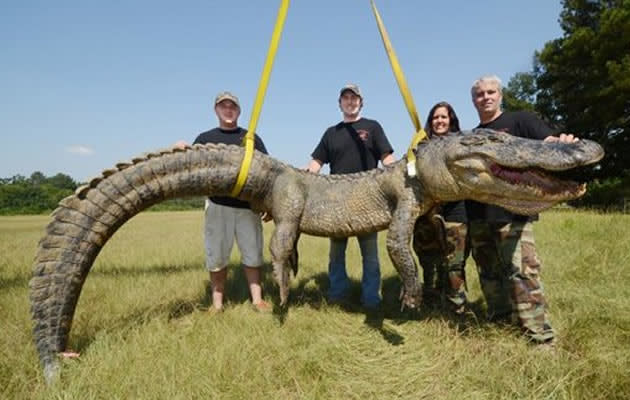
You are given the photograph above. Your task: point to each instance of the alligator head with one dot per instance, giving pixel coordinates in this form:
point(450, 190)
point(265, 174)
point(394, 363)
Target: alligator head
point(524, 176)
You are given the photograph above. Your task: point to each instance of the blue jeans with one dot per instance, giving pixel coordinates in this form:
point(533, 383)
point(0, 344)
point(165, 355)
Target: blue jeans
point(371, 280)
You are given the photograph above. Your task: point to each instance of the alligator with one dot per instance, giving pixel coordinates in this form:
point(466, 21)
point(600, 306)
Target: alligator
point(492, 167)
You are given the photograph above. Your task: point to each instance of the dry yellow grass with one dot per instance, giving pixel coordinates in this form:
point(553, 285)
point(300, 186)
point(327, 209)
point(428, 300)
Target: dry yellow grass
point(143, 331)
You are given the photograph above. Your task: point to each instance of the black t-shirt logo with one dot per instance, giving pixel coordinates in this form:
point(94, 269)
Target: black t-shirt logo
point(363, 134)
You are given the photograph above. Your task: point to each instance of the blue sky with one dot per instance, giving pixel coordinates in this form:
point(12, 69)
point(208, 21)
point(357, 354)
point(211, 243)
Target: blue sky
point(85, 84)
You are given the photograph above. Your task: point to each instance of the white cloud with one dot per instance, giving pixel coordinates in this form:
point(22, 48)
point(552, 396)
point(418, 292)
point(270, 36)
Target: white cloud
point(80, 150)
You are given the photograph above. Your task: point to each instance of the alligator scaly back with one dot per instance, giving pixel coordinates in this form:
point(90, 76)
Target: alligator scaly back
point(491, 167)
point(86, 220)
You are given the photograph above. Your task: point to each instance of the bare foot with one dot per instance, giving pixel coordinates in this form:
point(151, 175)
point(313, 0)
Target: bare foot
point(69, 355)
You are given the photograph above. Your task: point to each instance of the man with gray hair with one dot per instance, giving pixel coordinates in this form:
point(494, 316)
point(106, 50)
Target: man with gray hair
point(502, 242)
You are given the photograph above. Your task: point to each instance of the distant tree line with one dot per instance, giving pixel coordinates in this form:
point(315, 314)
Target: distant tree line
point(39, 194)
point(36, 194)
point(580, 83)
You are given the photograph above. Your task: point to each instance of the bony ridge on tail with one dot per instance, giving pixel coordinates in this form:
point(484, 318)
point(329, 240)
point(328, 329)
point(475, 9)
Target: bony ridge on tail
point(491, 167)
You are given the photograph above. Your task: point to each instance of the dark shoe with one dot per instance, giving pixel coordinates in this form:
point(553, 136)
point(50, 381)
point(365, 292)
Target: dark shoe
point(338, 301)
point(374, 313)
point(548, 346)
point(343, 303)
point(431, 296)
point(459, 309)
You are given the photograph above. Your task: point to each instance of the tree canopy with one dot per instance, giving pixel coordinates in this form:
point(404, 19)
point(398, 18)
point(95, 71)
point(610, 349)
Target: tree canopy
point(34, 195)
point(581, 81)
point(40, 194)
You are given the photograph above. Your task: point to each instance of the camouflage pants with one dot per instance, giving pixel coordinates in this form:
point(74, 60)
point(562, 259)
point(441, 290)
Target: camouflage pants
point(442, 260)
point(509, 273)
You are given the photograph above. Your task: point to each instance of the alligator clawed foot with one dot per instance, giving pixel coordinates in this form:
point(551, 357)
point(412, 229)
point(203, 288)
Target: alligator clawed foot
point(284, 296)
point(281, 275)
point(284, 287)
point(51, 371)
point(411, 299)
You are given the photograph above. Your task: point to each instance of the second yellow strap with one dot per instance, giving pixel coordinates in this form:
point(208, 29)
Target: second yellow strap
point(404, 90)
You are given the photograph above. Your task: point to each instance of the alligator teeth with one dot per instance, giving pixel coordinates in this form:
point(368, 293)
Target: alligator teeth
point(543, 184)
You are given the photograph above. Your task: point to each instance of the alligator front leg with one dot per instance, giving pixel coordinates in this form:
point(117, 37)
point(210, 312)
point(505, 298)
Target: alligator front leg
point(288, 205)
point(282, 244)
point(398, 247)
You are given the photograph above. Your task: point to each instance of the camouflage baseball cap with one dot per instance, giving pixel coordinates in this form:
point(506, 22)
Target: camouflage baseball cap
point(351, 87)
point(226, 96)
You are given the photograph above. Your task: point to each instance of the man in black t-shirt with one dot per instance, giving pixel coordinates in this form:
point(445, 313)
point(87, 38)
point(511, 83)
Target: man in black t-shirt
point(356, 144)
point(503, 242)
point(228, 219)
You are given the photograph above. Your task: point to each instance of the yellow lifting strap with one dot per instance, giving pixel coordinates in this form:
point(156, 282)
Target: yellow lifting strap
point(248, 140)
point(406, 94)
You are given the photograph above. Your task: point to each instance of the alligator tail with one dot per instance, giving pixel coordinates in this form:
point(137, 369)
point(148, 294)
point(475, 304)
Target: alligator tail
point(86, 220)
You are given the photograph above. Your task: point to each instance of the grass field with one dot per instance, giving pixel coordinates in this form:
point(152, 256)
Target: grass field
point(143, 331)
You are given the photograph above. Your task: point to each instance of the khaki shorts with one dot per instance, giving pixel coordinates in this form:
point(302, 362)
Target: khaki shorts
point(224, 224)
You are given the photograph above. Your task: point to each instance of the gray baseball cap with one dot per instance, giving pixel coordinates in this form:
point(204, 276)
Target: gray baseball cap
point(226, 96)
point(351, 87)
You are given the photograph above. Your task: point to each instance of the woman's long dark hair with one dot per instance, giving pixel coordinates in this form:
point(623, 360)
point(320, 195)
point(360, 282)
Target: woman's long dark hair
point(453, 120)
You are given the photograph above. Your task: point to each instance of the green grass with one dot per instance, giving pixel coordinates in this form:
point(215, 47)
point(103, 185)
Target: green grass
point(144, 333)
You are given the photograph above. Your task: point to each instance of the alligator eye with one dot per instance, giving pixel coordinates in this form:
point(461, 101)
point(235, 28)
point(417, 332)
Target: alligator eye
point(472, 140)
point(496, 138)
